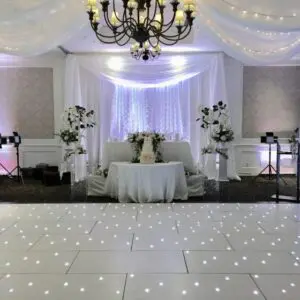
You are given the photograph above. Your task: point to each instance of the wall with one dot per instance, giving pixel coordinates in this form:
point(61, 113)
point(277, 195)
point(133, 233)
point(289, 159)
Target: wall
point(271, 100)
point(26, 102)
point(251, 155)
point(38, 145)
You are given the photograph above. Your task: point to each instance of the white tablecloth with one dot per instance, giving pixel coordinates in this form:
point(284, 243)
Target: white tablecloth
point(171, 151)
point(146, 183)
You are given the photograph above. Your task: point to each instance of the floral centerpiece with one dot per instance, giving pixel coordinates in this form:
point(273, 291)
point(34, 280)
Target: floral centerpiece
point(216, 121)
point(76, 120)
point(222, 134)
point(137, 141)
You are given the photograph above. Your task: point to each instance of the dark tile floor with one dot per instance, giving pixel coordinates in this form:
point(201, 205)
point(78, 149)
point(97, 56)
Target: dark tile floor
point(246, 191)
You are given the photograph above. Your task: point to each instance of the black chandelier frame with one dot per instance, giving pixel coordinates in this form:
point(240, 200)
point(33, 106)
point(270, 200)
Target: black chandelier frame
point(145, 53)
point(150, 28)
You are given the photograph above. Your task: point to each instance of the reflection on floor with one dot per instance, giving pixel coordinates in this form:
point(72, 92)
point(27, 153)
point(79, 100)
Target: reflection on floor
point(135, 252)
point(246, 191)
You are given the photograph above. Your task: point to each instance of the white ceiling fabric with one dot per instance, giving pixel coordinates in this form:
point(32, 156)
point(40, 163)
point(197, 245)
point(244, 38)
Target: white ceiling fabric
point(248, 30)
point(168, 69)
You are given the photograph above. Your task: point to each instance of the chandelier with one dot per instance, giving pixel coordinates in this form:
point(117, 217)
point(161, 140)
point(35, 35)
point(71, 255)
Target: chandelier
point(147, 22)
point(146, 52)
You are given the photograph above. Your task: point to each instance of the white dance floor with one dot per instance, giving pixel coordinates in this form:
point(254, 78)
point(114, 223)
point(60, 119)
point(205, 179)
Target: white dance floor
point(158, 251)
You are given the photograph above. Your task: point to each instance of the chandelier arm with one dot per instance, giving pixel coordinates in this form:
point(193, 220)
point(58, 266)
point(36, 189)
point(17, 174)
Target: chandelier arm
point(147, 17)
point(166, 27)
point(174, 39)
point(107, 36)
point(122, 44)
point(130, 22)
point(114, 29)
point(155, 32)
point(114, 41)
point(154, 13)
point(150, 42)
point(97, 32)
point(114, 10)
point(129, 35)
point(183, 33)
point(110, 26)
point(100, 38)
point(127, 25)
point(167, 43)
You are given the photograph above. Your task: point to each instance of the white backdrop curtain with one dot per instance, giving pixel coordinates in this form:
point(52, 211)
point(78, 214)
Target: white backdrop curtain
point(253, 31)
point(163, 109)
point(129, 96)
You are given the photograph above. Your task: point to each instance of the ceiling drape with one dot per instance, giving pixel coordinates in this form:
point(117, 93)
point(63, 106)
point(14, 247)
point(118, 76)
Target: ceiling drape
point(252, 31)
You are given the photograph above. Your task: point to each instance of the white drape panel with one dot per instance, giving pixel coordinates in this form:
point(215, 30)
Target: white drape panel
point(172, 109)
point(253, 31)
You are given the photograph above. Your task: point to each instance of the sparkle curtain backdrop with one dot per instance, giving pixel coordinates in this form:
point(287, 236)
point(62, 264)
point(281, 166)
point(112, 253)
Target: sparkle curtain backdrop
point(252, 31)
point(166, 98)
point(164, 109)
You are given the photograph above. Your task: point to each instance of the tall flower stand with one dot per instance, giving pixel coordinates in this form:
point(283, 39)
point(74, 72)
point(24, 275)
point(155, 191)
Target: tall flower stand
point(78, 192)
point(222, 172)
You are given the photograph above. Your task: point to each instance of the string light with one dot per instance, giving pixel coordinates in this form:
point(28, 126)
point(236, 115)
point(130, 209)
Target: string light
point(255, 14)
point(248, 50)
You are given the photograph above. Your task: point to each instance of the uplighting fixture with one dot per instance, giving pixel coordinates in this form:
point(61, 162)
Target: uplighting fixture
point(144, 21)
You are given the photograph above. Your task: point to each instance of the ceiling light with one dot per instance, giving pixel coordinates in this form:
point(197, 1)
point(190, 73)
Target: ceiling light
point(115, 63)
point(178, 61)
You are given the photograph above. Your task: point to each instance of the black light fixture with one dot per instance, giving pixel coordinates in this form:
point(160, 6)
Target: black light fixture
point(143, 21)
point(146, 52)
point(14, 140)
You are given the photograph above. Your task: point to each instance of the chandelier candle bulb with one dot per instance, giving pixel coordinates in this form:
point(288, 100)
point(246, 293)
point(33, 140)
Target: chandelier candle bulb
point(158, 21)
point(189, 7)
point(96, 17)
point(179, 15)
point(188, 2)
point(114, 18)
point(91, 4)
point(146, 45)
point(141, 20)
point(157, 48)
point(132, 4)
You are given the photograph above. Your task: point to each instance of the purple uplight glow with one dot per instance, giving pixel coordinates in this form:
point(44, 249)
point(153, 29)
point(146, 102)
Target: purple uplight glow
point(7, 158)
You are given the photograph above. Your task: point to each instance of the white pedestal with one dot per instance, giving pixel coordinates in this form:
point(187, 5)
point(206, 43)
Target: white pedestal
point(210, 168)
point(222, 172)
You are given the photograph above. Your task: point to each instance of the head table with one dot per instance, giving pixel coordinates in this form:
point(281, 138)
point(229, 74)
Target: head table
point(171, 151)
point(142, 183)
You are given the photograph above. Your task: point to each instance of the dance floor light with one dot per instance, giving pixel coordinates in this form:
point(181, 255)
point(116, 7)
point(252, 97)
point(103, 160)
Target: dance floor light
point(150, 251)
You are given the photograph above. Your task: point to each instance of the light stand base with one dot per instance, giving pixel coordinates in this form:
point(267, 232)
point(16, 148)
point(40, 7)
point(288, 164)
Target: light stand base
point(284, 198)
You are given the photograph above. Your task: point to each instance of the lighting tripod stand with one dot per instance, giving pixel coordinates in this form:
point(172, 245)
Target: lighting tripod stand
point(15, 140)
point(269, 139)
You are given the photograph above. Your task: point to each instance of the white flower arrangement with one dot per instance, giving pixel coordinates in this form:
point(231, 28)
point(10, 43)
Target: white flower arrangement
point(216, 120)
point(137, 140)
point(76, 120)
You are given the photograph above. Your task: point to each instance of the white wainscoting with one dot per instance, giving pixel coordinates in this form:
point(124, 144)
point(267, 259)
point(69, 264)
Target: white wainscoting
point(252, 157)
point(31, 153)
